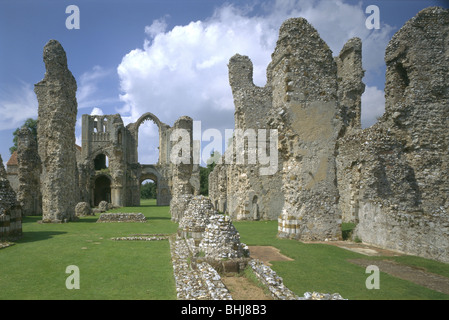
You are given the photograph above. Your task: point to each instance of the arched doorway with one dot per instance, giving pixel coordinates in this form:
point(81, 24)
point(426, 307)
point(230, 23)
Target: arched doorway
point(148, 191)
point(102, 190)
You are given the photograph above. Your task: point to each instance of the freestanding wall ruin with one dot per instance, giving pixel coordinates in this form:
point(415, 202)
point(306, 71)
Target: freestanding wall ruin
point(305, 112)
point(394, 175)
point(29, 170)
point(10, 210)
point(239, 185)
point(56, 95)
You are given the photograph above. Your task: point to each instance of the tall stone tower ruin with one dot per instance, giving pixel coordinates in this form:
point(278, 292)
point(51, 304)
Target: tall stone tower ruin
point(56, 95)
point(305, 111)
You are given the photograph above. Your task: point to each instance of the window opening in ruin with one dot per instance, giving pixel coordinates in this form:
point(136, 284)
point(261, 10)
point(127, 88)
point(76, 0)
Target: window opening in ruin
point(119, 137)
point(255, 209)
point(102, 191)
point(95, 125)
point(101, 162)
point(148, 142)
point(148, 189)
point(105, 122)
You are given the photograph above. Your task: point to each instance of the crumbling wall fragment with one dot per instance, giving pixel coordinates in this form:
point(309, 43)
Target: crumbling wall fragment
point(10, 211)
point(29, 171)
point(56, 95)
point(305, 112)
point(397, 169)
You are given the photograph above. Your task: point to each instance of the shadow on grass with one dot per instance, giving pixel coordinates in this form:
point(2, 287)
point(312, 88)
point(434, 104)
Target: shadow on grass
point(32, 236)
point(158, 218)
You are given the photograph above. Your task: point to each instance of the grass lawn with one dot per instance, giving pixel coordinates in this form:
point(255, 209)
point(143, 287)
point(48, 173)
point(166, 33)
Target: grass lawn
point(324, 268)
point(34, 268)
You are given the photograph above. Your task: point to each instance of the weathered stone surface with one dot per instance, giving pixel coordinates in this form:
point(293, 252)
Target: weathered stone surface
point(178, 206)
point(221, 240)
point(103, 206)
point(305, 112)
point(56, 95)
point(122, 217)
point(10, 210)
point(108, 161)
point(246, 196)
point(181, 158)
point(82, 209)
point(29, 170)
point(392, 176)
point(196, 217)
point(350, 85)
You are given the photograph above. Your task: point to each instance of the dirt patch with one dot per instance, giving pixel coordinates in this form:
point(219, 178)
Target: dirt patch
point(361, 248)
point(243, 289)
point(413, 274)
point(267, 254)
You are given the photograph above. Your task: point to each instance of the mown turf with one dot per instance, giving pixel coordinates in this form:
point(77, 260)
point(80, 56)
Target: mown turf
point(35, 267)
point(324, 268)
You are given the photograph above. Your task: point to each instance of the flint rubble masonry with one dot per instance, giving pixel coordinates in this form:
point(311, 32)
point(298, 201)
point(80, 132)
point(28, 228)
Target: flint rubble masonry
point(56, 95)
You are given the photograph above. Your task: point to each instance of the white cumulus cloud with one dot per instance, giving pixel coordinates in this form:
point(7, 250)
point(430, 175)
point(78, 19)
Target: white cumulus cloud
point(17, 105)
point(183, 71)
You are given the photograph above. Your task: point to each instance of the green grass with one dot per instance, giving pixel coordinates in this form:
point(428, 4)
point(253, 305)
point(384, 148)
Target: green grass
point(324, 268)
point(34, 268)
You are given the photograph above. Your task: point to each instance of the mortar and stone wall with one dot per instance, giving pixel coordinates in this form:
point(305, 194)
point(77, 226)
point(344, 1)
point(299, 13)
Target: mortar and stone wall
point(395, 173)
point(10, 210)
point(56, 95)
point(29, 169)
point(391, 179)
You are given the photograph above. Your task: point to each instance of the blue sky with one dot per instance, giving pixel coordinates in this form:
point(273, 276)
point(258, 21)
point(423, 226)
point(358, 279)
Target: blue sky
point(170, 57)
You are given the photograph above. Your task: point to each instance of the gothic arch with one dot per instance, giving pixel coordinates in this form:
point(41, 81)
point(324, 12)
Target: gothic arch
point(148, 116)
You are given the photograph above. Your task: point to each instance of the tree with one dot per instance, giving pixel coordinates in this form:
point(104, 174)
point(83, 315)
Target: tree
point(31, 124)
point(148, 190)
point(205, 171)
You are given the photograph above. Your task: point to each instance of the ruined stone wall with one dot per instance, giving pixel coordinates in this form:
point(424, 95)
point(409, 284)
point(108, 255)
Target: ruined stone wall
point(56, 95)
point(12, 173)
point(181, 162)
point(29, 170)
point(103, 136)
point(238, 185)
point(120, 177)
point(391, 179)
point(10, 211)
point(350, 90)
point(305, 112)
point(396, 171)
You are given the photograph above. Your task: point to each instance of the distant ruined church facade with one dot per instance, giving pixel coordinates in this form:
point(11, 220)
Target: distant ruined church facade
point(108, 161)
